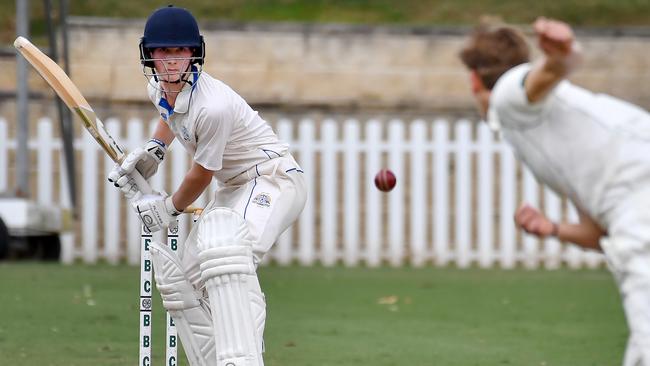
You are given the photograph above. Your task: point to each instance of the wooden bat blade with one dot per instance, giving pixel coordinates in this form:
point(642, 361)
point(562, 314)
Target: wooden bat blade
point(71, 96)
point(52, 73)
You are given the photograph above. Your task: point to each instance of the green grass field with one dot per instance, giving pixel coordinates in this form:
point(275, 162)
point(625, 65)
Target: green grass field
point(87, 315)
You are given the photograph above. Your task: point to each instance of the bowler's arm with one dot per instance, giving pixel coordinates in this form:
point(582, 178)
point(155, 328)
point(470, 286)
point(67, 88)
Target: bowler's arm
point(561, 56)
point(586, 233)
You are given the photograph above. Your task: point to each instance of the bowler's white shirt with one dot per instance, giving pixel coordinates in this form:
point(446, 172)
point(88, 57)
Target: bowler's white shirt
point(217, 127)
point(593, 148)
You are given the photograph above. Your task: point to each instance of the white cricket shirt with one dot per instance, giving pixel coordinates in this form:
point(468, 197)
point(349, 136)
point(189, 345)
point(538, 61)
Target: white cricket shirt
point(217, 127)
point(593, 148)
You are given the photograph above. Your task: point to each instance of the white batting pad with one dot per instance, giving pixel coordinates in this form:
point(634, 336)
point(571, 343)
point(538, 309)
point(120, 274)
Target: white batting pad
point(258, 308)
point(191, 316)
point(226, 257)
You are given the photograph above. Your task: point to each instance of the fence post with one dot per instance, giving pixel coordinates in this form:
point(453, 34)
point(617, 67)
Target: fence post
point(396, 197)
point(44, 161)
point(463, 193)
point(441, 192)
point(507, 207)
point(418, 246)
point(372, 201)
point(485, 197)
point(328, 190)
point(351, 239)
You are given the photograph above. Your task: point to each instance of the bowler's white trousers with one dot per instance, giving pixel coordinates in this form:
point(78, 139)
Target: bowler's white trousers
point(627, 248)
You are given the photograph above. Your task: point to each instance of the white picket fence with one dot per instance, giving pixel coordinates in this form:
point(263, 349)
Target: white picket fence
point(453, 203)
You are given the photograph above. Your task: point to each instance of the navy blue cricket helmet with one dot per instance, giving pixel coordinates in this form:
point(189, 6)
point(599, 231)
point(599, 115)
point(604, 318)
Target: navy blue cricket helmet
point(171, 27)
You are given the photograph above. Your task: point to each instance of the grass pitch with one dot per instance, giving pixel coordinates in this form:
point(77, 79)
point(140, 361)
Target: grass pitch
point(87, 315)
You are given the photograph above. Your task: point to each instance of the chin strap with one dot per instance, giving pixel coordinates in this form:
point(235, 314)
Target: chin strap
point(185, 77)
point(155, 76)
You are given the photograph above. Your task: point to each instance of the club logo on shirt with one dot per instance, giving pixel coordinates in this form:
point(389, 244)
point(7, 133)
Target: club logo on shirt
point(185, 133)
point(163, 115)
point(262, 200)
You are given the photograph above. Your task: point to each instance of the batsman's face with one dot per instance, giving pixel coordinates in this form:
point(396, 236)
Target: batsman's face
point(172, 62)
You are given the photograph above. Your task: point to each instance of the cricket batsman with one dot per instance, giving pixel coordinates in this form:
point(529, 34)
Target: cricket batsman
point(210, 288)
point(592, 148)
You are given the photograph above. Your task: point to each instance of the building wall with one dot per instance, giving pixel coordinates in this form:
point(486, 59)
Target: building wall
point(332, 66)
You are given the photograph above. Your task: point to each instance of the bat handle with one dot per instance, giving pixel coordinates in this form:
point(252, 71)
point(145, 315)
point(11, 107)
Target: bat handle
point(141, 183)
point(145, 188)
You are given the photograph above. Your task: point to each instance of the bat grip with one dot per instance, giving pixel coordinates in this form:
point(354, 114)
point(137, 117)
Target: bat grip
point(141, 183)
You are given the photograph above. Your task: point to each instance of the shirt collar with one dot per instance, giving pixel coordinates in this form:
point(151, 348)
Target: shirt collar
point(182, 100)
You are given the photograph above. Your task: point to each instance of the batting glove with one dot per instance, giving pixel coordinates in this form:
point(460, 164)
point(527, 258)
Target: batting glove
point(126, 184)
point(156, 211)
point(145, 159)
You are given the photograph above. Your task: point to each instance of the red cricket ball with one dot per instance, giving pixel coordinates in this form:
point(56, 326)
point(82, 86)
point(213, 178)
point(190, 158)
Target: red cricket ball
point(385, 180)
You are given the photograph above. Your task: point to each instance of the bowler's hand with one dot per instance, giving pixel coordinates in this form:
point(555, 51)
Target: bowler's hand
point(555, 37)
point(532, 221)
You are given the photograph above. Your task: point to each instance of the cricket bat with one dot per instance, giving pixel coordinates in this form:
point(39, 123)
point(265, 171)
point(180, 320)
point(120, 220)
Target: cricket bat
point(72, 97)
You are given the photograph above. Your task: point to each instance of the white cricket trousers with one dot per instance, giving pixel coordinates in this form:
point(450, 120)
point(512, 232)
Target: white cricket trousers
point(269, 196)
point(627, 248)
